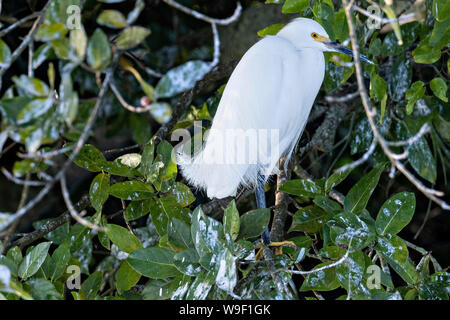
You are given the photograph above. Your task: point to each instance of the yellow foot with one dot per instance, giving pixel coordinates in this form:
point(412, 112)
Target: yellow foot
point(278, 247)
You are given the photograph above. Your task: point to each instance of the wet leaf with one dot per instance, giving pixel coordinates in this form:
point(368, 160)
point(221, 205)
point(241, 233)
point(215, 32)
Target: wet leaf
point(99, 191)
point(155, 263)
point(300, 187)
point(294, 6)
point(60, 258)
point(395, 213)
point(91, 285)
point(122, 238)
point(112, 19)
point(413, 94)
point(349, 229)
point(126, 277)
point(439, 88)
point(395, 252)
point(187, 262)
point(324, 280)
point(5, 54)
point(181, 78)
point(33, 260)
point(399, 78)
point(226, 278)
point(48, 32)
point(131, 190)
point(165, 208)
point(179, 233)
point(358, 196)
point(253, 223)
point(131, 37)
point(270, 30)
point(335, 179)
point(32, 86)
point(137, 209)
point(231, 220)
point(98, 50)
point(308, 219)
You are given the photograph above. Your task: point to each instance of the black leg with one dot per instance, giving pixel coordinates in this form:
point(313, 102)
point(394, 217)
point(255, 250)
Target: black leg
point(261, 203)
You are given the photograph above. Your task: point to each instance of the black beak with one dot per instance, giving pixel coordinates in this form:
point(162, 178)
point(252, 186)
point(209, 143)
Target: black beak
point(334, 46)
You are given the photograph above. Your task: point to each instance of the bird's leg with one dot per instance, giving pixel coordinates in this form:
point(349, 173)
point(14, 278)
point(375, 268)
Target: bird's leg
point(261, 204)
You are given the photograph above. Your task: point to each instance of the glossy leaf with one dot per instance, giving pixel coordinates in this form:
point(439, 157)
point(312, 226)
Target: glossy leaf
point(395, 213)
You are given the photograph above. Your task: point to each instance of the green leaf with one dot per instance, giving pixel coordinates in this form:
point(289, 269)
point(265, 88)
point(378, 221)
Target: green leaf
point(33, 260)
point(91, 285)
point(226, 278)
point(60, 258)
point(399, 78)
point(426, 53)
point(378, 87)
point(324, 280)
point(181, 78)
point(163, 209)
point(179, 233)
point(358, 196)
point(34, 109)
point(207, 234)
point(122, 238)
point(349, 229)
point(126, 277)
point(137, 209)
point(270, 30)
point(155, 263)
point(395, 213)
point(441, 9)
point(32, 86)
point(253, 223)
point(439, 88)
point(335, 179)
point(308, 219)
point(112, 19)
point(231, 220)
point(48, 32)
point(41, 289)
point(395, 252)
point(413, 94)
point(98, 50)
point(187, 262)
point(350, 273)
point(182, 193)
point(294, 6)
point(131, 190)
point(147, 159)
point(5, 54)
point(131, 37)
point(89, 158)
point(300, 187)
point(99, 191)
point(419, 153)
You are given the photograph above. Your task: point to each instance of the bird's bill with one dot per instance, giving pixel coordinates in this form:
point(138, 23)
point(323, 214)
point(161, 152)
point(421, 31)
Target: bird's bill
point(334, 46)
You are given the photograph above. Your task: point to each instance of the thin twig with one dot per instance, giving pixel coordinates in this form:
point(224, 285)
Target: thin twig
point(73, 212)
point(201, 16)
point(126, 105)
point(16, 180)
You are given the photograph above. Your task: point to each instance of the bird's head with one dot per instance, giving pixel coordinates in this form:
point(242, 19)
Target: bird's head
point(307, 33)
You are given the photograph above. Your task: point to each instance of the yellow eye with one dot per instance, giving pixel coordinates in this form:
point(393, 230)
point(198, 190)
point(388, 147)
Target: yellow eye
point(314, 35)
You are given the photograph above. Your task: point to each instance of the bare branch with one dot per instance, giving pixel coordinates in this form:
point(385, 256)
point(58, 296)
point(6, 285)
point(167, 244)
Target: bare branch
point(125, 104)
point(201, 16)
point(73, 212)
point(16, 180)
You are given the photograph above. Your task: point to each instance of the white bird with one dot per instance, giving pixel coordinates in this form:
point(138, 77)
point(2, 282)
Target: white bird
point(272, 88)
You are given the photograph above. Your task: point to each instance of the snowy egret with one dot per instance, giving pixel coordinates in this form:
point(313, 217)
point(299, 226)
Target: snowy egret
point(270, 93)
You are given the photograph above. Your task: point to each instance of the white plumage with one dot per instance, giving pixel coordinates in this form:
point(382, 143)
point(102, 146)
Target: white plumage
point(273, 87)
